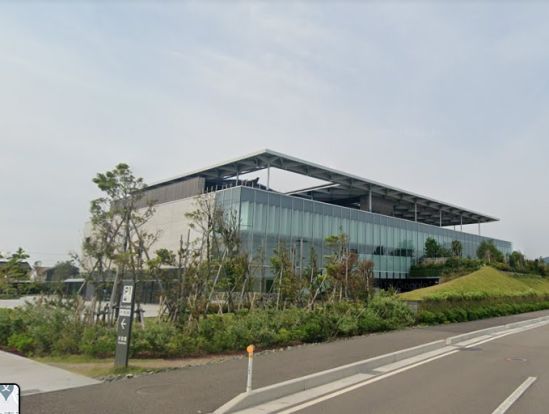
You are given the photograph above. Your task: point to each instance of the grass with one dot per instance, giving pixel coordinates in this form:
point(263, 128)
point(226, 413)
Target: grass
point(104, 367)
point(487, 281)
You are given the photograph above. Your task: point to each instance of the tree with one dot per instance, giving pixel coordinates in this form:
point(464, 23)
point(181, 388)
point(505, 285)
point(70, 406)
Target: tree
point(517, 261)
point(15, 267)
point(457, 248)
point(118, 242)
point(488, 252)
point(176, 272)
point(62, 271)
point(287, 283)
point(211, 264)
point(349, 276)
point(432, 248)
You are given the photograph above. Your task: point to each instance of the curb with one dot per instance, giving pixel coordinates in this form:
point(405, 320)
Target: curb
point(494, 329)
point(282, 389)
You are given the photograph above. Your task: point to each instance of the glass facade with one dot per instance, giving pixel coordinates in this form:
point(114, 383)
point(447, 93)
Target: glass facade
point(393, 244)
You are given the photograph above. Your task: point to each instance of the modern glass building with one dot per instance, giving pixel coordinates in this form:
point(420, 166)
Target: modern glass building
point(384, 224)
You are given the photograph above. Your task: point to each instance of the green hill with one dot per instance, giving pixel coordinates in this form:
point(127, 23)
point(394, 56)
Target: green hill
point(487, 282)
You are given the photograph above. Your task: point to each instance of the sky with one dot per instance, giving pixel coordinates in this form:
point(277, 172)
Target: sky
point(446, 99)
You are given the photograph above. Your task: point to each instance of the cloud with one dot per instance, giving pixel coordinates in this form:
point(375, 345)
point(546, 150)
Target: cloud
point(448, 100)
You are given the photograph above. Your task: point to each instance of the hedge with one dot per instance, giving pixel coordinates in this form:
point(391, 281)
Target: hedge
point(49, 330)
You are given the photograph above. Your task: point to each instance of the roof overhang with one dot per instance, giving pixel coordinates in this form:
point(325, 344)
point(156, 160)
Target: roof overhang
point(341, 187)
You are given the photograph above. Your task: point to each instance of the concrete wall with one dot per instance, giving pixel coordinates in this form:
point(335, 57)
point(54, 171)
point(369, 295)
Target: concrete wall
point(168, 223)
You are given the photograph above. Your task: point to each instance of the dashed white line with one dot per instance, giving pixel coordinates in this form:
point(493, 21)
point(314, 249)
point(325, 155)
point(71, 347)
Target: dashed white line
point(505, 405)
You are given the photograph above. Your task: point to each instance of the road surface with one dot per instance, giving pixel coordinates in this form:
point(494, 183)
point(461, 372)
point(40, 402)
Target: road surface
point(474, 380)
point(202, 389)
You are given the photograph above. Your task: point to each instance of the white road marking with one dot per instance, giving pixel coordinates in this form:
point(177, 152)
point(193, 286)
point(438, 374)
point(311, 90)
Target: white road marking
point(505, 405)
point(300, 397)
point(396, 368)
point(469, 343)
point(412, 360)
point(362, 384)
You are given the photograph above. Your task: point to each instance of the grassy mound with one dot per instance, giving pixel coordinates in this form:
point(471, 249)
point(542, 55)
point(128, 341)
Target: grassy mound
point(486, 282)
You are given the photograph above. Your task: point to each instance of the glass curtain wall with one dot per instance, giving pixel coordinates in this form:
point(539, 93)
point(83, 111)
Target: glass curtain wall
point(268, 219)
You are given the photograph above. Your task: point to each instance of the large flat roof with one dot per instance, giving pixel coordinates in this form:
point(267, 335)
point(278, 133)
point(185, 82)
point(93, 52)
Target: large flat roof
point(341, 188)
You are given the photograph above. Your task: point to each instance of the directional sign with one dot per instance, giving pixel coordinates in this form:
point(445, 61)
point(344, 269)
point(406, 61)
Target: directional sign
point(9, 399)
point(125, 318)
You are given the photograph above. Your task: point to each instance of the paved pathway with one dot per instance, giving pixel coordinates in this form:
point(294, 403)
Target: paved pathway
point(34, 377)
point(151, 309)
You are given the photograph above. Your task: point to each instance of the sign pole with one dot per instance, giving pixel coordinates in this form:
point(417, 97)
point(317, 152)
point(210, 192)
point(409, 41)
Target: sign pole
point(250, 350)
point(125, 319)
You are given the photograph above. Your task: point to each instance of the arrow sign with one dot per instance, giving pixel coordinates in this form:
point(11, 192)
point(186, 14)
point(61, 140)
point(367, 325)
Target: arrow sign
point(125, 317)
point(6, 391)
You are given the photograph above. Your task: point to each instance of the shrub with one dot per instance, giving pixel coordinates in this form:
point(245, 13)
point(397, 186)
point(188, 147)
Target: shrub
point(21, 342)
point(426, 317)
point(69, 340)
point(432, 312)
point(46, 329)
point(452, 267)
point(98, 341)
point(370, 321)
point(155, 340)
point(456, 314)
point(391, 309)
point(183, 344)
point(6, 325)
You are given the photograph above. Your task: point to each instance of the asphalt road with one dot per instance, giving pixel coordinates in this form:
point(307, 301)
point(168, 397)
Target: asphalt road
point(202, 389)
point(471, 381)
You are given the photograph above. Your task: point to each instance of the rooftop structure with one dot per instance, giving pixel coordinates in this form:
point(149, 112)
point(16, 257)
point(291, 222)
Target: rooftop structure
point(340, 188)
point(384, 224)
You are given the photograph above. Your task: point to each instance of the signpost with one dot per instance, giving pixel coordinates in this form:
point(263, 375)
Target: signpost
point(125, 318)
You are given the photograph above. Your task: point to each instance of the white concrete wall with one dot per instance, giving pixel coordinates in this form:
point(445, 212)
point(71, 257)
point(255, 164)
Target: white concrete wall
point(169, 223)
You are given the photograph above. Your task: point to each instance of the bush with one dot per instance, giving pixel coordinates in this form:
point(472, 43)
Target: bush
point(370, 321)
point(98, 341)
point(432, 313)
point(69, 340)
point(391, 309)
point(40, 330)
point(456, 314)
point(453, 266)
point(6, 325)
point(44, 329)
point(431, 317)
point(21, 342)
point(155, 340)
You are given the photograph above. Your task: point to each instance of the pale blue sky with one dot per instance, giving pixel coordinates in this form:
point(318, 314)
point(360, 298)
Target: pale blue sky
point(448, 100)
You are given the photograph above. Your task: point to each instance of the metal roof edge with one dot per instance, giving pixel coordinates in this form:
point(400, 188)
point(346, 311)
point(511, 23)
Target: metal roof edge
point(267, 151)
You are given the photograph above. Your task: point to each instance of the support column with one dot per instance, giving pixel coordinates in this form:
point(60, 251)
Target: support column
point(370, 200)
point(269, 176)
point(415, 211)
point(479, 228)
point(440, 218)
point(461, 222)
